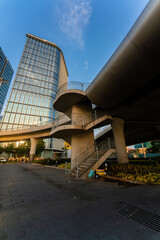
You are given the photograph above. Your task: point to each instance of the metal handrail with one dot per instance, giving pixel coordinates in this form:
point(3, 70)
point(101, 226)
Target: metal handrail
point(90, 152)
point(27, 126)
point(82, 157)
point(79, 119)
point(100, 150)
point(72, 85)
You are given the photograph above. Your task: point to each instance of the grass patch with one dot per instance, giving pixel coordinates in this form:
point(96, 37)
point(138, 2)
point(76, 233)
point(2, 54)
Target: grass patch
point(51, 162)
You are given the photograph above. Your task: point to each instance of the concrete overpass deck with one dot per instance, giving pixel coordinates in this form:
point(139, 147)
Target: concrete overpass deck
point(128, 86)
point(62, 128)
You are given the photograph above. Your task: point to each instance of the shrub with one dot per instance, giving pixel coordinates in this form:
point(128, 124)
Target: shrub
point(64, 165)
point(50, 161)
point(144, 173)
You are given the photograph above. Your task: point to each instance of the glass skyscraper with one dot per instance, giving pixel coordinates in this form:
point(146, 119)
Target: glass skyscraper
point(6, 74)
point(41, 71)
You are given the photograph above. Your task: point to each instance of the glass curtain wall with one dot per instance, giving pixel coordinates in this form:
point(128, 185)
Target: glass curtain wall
point(35, 86)
point(6, 72)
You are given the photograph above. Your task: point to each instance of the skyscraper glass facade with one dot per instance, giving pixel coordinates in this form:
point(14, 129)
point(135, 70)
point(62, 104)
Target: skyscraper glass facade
point(6, 73)
point(35, 85)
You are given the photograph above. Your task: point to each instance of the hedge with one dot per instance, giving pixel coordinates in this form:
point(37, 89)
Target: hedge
point(144, 173)
point(50, 161)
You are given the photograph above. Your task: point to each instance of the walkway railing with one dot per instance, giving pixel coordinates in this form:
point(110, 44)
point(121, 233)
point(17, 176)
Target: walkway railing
point(62, 119)
point(72, 85)
point(19, 127)
point(78, 119)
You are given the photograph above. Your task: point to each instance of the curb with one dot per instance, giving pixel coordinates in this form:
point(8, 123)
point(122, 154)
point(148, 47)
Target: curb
point(122, 180)
point(37, 164)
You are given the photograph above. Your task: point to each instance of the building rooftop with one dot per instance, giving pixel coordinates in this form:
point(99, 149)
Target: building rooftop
point(49, 43)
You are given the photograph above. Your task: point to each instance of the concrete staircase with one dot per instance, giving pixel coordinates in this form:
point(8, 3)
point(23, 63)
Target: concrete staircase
point(93, 160)
point(96, 164)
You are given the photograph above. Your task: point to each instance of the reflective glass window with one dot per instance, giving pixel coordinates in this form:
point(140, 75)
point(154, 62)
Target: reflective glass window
point(24, 109)
point(6, 117)
point(9, 107)
point(22, 97)
point(17, 118)
point(19, 108)
point(11, 118)
point(13, 93)
point(14, 109)
point(17, 96)
point(22, 119)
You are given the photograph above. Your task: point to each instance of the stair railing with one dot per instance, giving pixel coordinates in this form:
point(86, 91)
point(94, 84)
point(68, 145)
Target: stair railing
point(83, 156)
point(94, 152)
point(100, 150)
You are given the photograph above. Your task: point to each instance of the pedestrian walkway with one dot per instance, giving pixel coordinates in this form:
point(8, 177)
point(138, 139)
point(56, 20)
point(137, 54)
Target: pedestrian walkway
point(42, 203)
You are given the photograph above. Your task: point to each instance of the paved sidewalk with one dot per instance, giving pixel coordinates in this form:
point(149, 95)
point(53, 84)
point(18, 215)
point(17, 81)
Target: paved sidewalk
point(40, 203)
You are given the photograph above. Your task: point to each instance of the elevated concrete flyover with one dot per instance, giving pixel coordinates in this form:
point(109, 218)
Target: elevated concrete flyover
point(75, 127)
point(128, 86)
point(42, 131)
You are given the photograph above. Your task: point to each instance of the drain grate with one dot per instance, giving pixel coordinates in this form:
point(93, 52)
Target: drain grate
point(138, 215)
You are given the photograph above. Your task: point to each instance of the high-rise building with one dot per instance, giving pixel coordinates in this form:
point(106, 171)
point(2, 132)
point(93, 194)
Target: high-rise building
point(6, 74)
point(41, 71)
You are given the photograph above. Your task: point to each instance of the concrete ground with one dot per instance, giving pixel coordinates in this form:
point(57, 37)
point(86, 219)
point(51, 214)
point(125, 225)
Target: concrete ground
point(41, 203)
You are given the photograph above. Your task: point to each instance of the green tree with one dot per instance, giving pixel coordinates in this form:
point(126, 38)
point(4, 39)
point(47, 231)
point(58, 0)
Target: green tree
point(40, 146)
point(65, 151)
point(1, 149)
point(155, 148)
point(9, 149)
point(137, 152)
point(23, 149)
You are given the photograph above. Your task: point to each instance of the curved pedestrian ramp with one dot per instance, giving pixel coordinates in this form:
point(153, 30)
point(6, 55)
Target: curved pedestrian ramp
point(59, 128)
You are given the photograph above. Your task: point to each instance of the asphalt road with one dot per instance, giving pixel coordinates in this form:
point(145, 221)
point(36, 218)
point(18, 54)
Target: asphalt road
point(41, 203)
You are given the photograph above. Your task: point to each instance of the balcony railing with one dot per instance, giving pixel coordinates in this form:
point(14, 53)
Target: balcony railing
point(72, 85)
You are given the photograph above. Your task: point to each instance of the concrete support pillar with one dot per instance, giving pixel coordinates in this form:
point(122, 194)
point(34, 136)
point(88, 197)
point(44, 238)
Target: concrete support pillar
point(33, 149)
point(81, 143)
point(80, 114)
point(120, 144)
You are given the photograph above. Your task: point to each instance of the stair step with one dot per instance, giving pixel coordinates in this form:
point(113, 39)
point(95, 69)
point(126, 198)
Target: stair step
point(84, 165)
point(90, 160)
point(87, 163)
point(92, 156)
point(73, 173)
point(81, 171)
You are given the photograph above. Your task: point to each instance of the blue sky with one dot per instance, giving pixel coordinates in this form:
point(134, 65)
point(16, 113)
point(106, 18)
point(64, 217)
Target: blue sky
point(87, 31)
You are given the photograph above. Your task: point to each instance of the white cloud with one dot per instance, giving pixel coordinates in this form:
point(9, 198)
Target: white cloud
point(85, 64)
point(74, 16)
